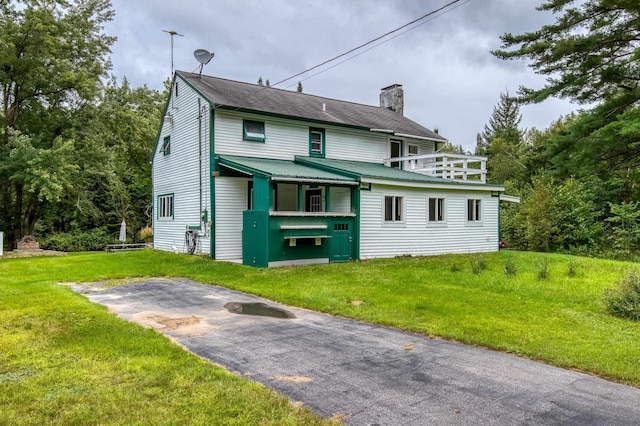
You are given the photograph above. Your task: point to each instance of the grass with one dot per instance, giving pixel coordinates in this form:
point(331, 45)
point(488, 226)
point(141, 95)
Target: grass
point(64, 360)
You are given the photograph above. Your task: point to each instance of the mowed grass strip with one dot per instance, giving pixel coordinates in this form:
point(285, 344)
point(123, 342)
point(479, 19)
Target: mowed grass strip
point(64, 360)
point(58, 351)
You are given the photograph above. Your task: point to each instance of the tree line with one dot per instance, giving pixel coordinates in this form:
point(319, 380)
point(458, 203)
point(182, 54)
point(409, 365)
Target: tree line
point(579, 178)
point(75, 143)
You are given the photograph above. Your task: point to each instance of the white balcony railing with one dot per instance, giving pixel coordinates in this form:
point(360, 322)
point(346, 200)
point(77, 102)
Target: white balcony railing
point(444, 165)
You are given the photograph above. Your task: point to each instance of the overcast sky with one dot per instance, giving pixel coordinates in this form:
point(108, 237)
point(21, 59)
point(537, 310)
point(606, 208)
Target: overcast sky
point(450, 79)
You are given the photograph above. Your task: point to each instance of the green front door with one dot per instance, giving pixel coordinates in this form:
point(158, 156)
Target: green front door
point(341, 242)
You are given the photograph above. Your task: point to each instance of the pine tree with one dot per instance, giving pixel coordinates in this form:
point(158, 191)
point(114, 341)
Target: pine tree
point(260, 83)
point(299, 88)
point(502, 142)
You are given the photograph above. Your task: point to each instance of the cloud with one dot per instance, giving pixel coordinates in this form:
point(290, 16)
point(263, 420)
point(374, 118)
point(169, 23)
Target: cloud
point(450, 78)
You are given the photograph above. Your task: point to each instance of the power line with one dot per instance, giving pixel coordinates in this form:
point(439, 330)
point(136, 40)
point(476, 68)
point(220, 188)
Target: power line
point(433, 12)
point(376, 45)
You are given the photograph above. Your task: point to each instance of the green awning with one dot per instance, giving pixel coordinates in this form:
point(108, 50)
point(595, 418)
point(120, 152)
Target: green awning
point(283, 170)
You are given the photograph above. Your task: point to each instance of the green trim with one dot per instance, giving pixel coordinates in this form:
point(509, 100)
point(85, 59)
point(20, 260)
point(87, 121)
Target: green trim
point(173, 206)
point(300, 198)
point(245, 122)
point(320, 131)
point(194, 228)
point(166, 145)
point(164, 113)
point(355, 207)
point(242, 167)
point(213, 166)
point(327, 195)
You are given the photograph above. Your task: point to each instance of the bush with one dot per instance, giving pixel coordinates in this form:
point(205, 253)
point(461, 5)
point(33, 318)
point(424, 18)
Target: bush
point(510, 268)
point(93, 240)
point(478, 264)
point(543, 271)
point(624, 301)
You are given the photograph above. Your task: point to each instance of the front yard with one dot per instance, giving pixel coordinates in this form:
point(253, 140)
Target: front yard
point(64, 360)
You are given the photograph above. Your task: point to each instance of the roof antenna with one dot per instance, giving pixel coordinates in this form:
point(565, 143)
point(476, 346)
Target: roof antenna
point(172, 33)
point(204, 57)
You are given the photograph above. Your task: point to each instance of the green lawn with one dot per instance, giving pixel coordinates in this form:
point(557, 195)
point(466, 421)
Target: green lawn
point(64, 360)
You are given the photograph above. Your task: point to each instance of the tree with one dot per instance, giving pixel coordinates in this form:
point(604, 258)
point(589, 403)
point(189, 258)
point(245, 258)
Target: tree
point(52, 54)
point(591, 56)
point(502, 142)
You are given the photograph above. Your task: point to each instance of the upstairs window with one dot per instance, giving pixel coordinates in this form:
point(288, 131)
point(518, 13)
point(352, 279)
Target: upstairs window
point(165, 207)
point(435, 210)
point(473, 210)
point(393, 209)
point(316, 142)
point(253, 131)
point(166, 145)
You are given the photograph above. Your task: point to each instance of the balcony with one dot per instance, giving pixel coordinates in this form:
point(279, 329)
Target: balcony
point(444, 165)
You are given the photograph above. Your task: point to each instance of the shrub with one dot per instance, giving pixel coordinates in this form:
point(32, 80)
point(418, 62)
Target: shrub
point(478, 264)
point(624, 301)
point(93, 240)
point(455, 267)
point(543, 272)
point(146, 233)
point(510, 268)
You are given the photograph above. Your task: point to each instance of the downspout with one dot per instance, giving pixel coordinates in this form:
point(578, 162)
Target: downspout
point(213, 170)
point(200, 160)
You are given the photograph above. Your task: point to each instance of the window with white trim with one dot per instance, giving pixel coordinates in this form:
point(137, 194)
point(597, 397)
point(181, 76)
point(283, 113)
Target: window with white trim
point(393, 208)
point(165, 207)
point(435, 210)
point(474, 207)
point(412, 149)
point(316, 142)
point(253, 131)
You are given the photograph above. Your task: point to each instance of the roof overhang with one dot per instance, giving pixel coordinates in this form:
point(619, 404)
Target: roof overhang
point(455, 185)
point(509, 198)
point(283, 171)
point(405, 135)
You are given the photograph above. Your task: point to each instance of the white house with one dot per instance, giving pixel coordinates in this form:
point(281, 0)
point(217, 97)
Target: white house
point(275, 177)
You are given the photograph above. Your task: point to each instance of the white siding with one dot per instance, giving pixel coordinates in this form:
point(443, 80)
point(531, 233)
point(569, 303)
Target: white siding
point(231, 201)
point(414, 235)
point(177, 172)
point(287, 138)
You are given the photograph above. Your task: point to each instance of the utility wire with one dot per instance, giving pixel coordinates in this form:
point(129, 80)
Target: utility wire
point(376, 45)
point(433, 12)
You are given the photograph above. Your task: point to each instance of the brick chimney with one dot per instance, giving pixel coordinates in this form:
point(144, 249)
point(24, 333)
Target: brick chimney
point(392, 97)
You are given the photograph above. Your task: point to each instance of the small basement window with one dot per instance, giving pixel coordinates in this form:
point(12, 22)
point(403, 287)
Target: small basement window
point(253, 131)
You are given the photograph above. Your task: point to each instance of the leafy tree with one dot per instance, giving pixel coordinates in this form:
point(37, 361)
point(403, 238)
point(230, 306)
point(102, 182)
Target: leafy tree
point(52, 55)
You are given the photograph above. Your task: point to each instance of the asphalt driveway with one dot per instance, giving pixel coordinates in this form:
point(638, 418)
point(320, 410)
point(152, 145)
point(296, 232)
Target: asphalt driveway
point(366, 374)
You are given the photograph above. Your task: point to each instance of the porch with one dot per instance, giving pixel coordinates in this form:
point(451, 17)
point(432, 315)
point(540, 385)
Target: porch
point(443, 165)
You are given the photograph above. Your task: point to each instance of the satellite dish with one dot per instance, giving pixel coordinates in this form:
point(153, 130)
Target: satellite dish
point(203, 56)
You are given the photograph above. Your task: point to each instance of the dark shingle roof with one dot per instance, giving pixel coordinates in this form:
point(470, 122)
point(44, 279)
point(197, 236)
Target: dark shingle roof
point(234, 94)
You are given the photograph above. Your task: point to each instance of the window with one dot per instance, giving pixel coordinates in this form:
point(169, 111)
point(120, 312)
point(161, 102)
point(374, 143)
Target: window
point(165, 206)
point(392, 209)
point(435, 210)
point(413, 149)
point(395, 151)
point(253, 131)
point(316, 142)
point(473, 210)
point(166, 145)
